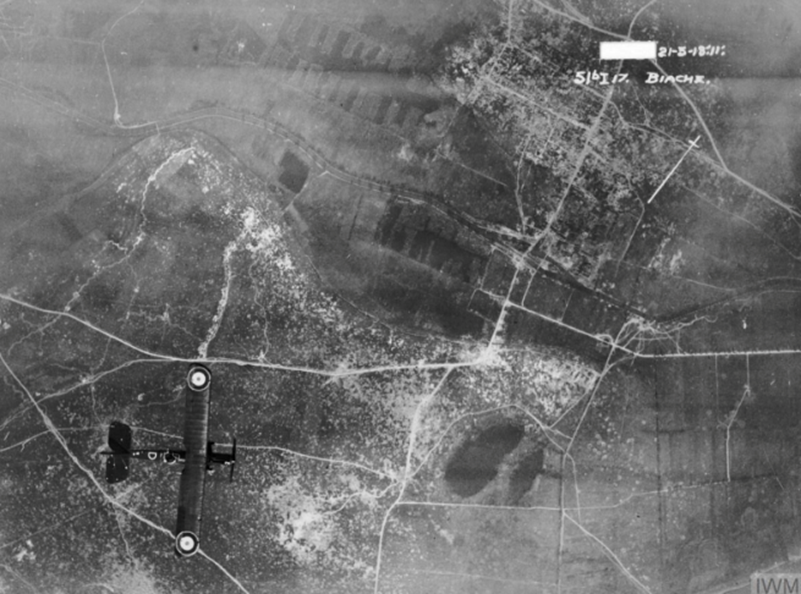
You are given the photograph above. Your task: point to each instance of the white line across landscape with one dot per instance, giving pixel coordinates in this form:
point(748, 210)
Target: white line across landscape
point(693, 145)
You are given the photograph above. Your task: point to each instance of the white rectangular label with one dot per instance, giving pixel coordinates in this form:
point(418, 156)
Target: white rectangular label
point(628, 50)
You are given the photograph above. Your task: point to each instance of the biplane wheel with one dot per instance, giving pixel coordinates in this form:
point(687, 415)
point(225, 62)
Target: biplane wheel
point(198, 378)
point(170, 458)
point(187, 543)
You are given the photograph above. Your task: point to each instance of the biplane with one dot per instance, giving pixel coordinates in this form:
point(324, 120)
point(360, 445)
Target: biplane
point(198, 457)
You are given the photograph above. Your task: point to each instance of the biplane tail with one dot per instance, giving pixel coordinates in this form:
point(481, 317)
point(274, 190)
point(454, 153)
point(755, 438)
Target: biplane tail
point(118, 462)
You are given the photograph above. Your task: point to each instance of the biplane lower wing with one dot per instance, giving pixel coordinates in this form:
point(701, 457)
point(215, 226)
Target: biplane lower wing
point(193, 476)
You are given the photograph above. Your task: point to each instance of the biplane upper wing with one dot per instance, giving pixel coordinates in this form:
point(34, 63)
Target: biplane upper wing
point(193, 476)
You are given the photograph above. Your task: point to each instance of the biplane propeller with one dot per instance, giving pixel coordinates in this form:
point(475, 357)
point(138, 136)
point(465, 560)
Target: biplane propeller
point(198, 457)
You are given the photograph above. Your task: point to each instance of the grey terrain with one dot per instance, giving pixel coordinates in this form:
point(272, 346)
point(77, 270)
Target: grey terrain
point(484, 313)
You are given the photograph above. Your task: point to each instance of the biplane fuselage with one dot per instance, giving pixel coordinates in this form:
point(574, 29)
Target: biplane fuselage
point(197, 457)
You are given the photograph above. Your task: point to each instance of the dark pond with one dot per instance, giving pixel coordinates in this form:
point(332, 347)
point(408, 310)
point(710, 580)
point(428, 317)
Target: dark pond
point(293, 172)
point(524, 474)
point(476, 461)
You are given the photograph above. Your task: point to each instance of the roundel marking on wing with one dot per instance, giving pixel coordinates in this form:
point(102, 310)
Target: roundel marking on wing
point(198, 378)
point(187, 543)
